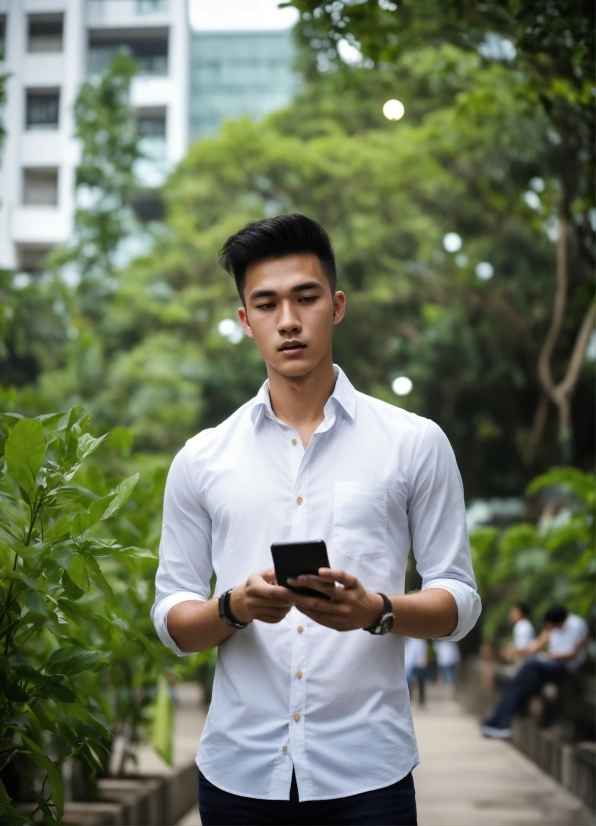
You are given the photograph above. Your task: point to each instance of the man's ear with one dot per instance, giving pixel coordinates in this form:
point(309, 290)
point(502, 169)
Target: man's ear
point(339, 306)
point(243, 318)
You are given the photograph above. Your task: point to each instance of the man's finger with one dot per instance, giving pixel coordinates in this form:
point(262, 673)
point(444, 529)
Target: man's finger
point(335, 575)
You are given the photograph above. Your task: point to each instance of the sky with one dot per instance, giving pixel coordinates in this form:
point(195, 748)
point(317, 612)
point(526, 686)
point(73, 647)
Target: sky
point(239, 15)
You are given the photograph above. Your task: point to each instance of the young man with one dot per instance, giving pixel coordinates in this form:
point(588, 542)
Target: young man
point(565, 637)
point(310, 719)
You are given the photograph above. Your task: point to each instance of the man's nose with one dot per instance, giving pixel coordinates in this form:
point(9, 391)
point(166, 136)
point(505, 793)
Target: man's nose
point(289, 321)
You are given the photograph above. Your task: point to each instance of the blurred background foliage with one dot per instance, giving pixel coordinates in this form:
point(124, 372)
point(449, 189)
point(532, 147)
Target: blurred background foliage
point(136, 321)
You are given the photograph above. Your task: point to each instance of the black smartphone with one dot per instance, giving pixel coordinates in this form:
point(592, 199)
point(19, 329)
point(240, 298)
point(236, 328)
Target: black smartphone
point(291, 559)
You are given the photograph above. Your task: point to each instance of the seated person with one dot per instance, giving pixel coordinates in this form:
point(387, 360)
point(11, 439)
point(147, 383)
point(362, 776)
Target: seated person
point(523, 633)
point(565, 639)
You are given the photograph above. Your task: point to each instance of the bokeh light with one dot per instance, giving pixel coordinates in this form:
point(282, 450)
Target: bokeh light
point(401, 386)
point(230, 329)
point(393, 110)
point(452, 242)
point(485, 271)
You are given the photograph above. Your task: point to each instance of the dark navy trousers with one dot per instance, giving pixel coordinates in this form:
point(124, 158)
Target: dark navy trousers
point(394, 805)
point(528, 682)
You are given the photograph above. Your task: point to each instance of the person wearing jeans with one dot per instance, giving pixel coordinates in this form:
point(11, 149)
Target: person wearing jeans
point(565, 638)
point(310, 719)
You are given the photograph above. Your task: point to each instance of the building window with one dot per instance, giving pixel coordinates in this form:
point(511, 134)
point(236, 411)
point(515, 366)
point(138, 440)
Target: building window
point(31, 258)
point(151, 6)
point(150, 168)
point(45, 33)
point(149, 48)
point(2, 35)
point(151, 123)
point(40, 187)
point(42, 108)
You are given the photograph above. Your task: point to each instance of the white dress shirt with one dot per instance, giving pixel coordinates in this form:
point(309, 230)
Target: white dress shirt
point(334, 706)
point(562, 641)
point(523, 634)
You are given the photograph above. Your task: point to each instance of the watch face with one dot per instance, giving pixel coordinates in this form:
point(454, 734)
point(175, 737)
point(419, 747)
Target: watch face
point(386, 623)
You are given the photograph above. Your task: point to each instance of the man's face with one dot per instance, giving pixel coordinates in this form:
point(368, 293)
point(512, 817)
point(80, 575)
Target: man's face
point(290, 312)
point(514, 615)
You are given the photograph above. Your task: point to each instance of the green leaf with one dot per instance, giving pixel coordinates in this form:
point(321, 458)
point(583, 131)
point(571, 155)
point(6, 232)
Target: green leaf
point(9, 816)
point(30, 674)
point(70, 661)
point(122, 492)
point(58, 691)
point(16, 693)
point(87, 445)
point(9, 528)
point(50, 419)
point(163, 722)
point(80, 523)
point(24, 452)
point(78, 572)
point(98, 509)
point(53, 774)
point(35, 603)
point(58, 530)
point(71, 590)
point(75, 611)
point(98, 578)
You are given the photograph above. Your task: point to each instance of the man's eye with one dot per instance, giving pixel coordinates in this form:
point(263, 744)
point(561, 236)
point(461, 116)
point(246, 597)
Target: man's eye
point(308, 299)
point(267, 306)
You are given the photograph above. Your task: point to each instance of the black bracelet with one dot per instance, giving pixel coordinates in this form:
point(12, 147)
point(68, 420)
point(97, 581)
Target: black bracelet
point(226, 615)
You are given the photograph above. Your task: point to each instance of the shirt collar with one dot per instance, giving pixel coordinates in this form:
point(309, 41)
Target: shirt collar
point(344, 396)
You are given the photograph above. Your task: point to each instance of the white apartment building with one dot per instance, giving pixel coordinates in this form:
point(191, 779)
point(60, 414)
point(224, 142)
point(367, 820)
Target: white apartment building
point(49, 48)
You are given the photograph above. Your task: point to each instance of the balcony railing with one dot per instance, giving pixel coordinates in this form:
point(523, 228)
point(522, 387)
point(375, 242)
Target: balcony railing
point(123, 12)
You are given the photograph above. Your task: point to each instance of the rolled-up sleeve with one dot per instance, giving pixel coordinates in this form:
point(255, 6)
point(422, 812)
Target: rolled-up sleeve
point(437, 521)
point(185, 567)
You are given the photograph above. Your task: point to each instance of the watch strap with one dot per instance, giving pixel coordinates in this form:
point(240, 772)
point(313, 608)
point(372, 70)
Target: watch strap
point(387, 609)
point(225, 613)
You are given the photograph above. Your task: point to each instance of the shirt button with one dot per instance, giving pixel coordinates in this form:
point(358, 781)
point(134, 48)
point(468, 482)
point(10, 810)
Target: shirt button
point(300, 629)
point(299, 674)
point(285, 749)
point(297, 718)
point(294, 442)
point(300, 500)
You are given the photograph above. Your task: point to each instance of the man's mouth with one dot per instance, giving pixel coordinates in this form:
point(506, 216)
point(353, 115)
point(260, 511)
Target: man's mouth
point(292, 348)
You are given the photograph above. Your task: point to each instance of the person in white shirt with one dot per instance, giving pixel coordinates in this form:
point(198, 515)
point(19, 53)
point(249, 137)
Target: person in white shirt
point(415, 665)
point(565, 638)
point(447, 654)
point(310, 719)
point(523, 633)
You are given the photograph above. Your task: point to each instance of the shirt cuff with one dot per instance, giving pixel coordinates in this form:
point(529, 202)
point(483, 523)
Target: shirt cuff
point(159, 615)
point(468, 604)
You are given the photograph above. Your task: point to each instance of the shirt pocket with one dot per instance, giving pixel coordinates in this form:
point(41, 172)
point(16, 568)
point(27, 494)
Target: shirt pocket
point(360, 520)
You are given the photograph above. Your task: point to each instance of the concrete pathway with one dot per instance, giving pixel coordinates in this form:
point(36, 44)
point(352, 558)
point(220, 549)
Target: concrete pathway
point(466, 780)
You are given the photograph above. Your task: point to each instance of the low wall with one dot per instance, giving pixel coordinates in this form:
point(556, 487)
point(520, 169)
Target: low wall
point(570, 761)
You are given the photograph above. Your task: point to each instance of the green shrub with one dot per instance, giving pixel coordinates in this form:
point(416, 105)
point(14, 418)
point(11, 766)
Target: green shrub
point(77, 661)
point(550, 562)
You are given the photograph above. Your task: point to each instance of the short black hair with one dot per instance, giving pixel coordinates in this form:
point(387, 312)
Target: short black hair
point(555, 614)
point(277, 237)
point(523, 607)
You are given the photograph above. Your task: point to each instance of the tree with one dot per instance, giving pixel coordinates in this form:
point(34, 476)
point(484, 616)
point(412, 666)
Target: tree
point(551, 47)
point(105, 182)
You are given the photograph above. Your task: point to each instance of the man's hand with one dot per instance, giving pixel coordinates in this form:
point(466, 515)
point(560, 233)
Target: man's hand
point(352, 605)
point(260, 598)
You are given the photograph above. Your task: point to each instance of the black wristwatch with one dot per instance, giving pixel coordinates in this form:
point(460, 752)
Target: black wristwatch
point(385, 621)
point(226, 615)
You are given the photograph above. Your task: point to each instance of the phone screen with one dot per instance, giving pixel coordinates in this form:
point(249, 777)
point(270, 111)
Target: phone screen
point(291, 559)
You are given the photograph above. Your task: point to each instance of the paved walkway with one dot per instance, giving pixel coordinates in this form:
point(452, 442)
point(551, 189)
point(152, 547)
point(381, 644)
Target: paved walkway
point(466, 780)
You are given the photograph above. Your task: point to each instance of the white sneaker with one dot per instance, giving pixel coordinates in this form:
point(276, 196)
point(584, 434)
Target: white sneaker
point(496, 733)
